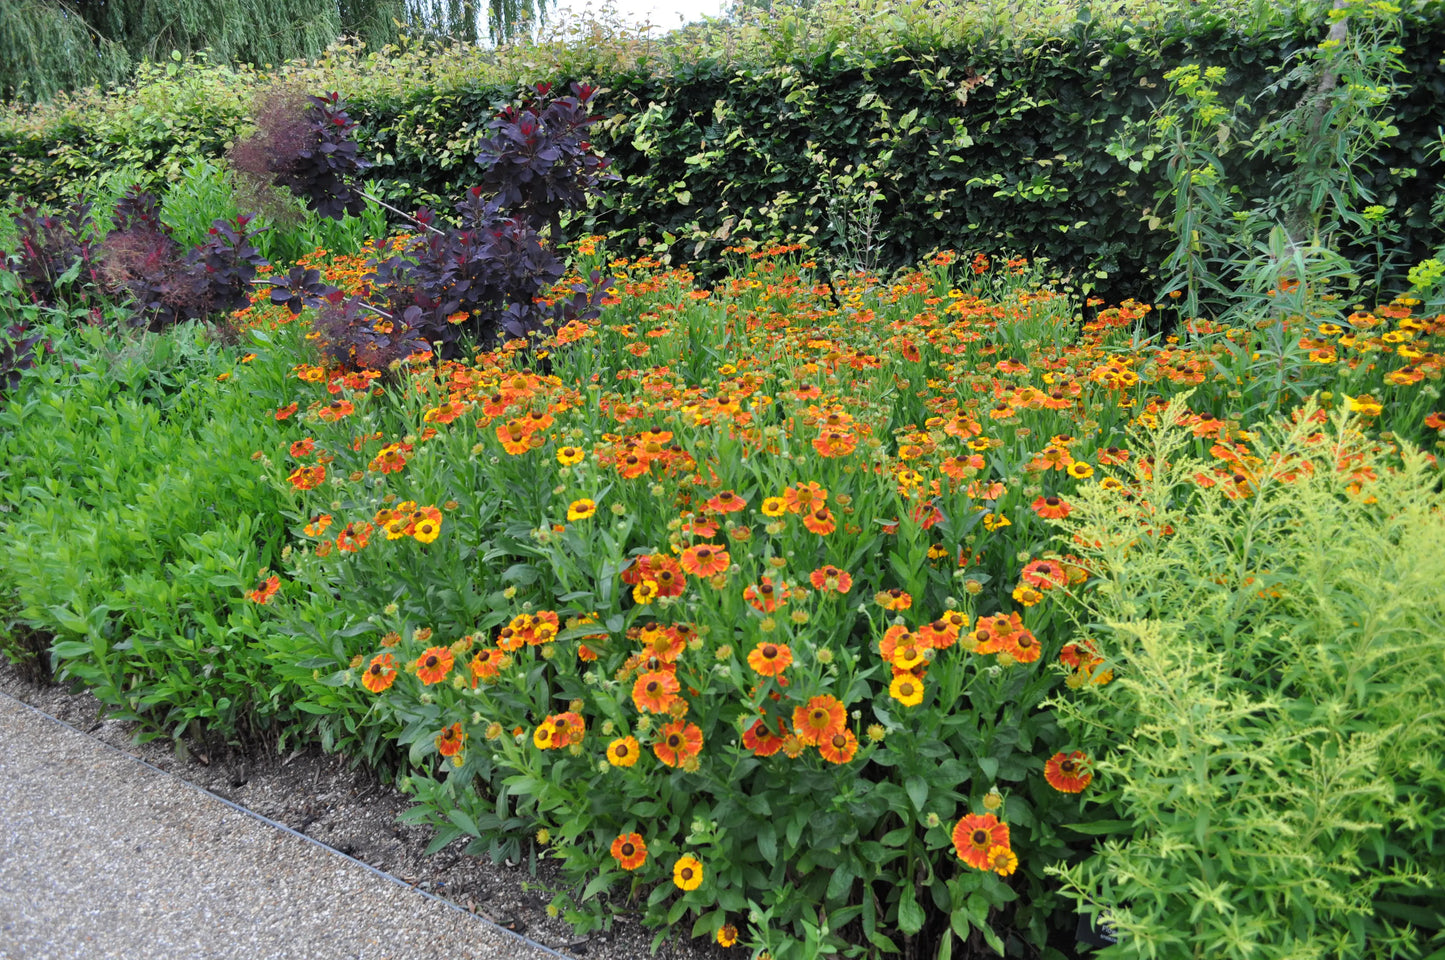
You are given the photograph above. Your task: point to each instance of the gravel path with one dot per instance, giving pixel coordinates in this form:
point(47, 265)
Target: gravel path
point(105, 856)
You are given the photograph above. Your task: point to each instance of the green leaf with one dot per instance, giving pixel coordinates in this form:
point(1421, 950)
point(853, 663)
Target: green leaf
point(768, 842)
point(910, 914)
point(839, 884)
point(1099, 827)
point(917, 789)
point(466, 823)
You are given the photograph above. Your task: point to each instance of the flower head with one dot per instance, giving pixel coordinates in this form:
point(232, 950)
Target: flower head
point(433, 665)
point(1001, 860)
point(623, 751)
point(687, 873)
point(906, 689)
point(654, 692)
point(629, 851)
point(770, 659)
point(704, 559)
point(760, 740)
point(380, 673)
point(820, 719)
point(1068, 772)
point(975, 835)
point(266, 590)
point(839, 748)
point(831, 578)
point(678, 742)
point(451, 740)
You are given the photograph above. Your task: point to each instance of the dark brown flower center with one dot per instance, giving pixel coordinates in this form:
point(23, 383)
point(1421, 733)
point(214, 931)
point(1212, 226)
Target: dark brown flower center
point(674, 740)
point(628, 849)
point(839, 741)
point(980, 837)
point(769, 651)
point(431, 661)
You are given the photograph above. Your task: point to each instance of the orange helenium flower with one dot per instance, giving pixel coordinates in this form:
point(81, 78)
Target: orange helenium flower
point(704, 560)
point(975, 835)
point(765, 595)
point(820, 719)
point(1068, 772)
point(820, 521)
point(770, 659)
point(267, 589)
point(1051, 508)
point(804, 497)
point(893, 599)
point(678, 742)
point(451, 740)
point(839, 748)
point(433, 665)
point(831, 578)
point(380, 673)
point(760, 740)
point(654, 692)
point(629, 851)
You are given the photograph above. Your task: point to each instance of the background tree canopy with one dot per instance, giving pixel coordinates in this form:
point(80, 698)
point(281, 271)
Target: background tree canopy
point(47, 46)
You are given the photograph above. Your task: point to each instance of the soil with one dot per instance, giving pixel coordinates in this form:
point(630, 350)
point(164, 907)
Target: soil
point(352, 811)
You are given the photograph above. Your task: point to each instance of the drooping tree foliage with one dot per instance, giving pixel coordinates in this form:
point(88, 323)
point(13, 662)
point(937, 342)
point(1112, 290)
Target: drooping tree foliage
point(47, 46)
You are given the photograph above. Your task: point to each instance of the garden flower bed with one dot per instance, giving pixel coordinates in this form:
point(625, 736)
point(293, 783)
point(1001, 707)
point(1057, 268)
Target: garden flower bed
point(771, 611)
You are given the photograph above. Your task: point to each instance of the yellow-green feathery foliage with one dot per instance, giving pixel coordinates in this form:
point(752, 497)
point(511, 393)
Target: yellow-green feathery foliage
point(1274, 735)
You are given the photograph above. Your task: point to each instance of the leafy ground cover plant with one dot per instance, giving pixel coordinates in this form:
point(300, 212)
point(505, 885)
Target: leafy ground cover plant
point(1271, 734)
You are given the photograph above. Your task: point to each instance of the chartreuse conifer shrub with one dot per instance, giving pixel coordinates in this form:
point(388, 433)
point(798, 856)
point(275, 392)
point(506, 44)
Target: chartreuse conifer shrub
point(1273, 734)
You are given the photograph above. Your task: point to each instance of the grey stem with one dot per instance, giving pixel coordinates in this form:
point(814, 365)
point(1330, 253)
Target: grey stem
point(402, 213)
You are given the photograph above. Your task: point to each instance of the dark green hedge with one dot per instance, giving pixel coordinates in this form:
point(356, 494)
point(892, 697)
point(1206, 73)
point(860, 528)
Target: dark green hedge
point(996, 148)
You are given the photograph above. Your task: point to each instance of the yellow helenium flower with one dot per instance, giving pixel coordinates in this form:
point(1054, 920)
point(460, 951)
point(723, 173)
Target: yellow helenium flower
point(996, 521)
point(1002, 860)
point(774, 507)
point(570, 455)
point(623, 751)
point(687, 873)
point(906, 689)
point(581, 509)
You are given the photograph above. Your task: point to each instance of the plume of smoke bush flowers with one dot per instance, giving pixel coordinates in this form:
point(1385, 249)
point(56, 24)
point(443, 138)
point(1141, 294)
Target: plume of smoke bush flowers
point(274, 147)
point(305, 144)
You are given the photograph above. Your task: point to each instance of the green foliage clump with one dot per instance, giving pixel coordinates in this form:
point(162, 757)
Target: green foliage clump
point(1272, 738)
point(140, 568)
